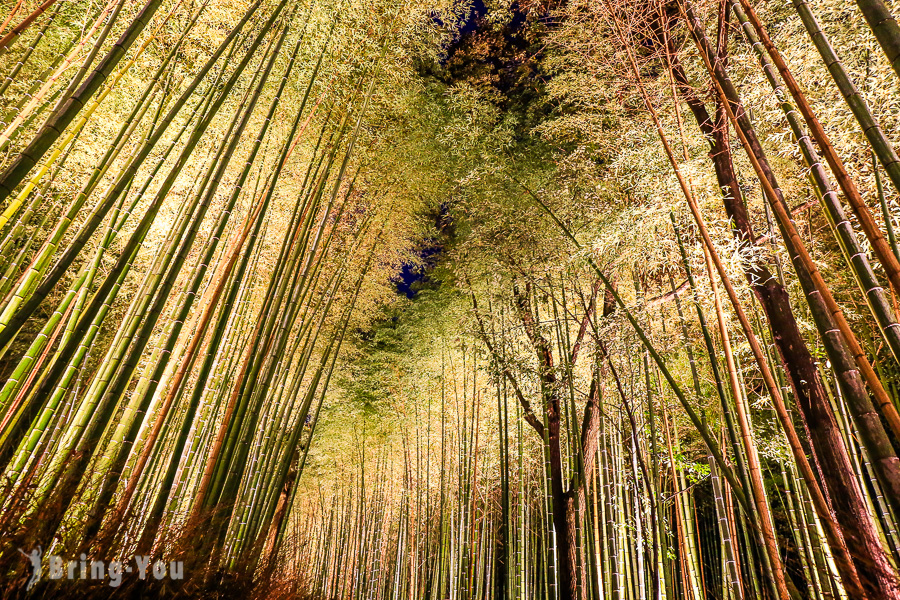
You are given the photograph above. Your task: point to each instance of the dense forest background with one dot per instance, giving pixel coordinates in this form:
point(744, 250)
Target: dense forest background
point(451, 299)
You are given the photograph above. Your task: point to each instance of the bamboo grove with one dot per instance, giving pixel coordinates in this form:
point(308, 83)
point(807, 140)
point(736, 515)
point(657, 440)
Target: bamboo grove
point(452, 299)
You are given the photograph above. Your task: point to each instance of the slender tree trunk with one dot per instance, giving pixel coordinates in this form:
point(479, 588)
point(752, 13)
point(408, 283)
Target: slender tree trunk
point(560, 499)
point(830, 454)
point(565, 548)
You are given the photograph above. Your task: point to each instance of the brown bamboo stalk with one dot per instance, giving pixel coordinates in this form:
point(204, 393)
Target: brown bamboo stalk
point(753, 464)
point(186, 361)
point(11, 14)
point(882, 399)
point(881, 247)
point(768, 531)
point(39, 96)
point(18, 29)
point(833, 532)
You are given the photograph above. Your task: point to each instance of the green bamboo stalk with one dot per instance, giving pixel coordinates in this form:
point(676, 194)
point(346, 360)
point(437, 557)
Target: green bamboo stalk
point(28, 158)
point(875, 295)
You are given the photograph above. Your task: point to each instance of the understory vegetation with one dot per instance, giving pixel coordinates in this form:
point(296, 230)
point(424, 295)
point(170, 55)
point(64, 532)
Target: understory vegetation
point(450, 299)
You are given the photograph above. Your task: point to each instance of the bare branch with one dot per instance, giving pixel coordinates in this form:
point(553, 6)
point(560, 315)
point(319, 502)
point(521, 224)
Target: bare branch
point(527, 411)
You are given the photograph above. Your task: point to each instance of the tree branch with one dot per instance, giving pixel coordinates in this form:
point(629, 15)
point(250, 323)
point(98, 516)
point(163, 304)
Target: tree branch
point(585, 322)
point(538, 342)
point(668, 295)
point(527, 411)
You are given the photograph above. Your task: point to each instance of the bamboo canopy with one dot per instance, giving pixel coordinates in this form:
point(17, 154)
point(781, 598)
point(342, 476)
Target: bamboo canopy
point(449, 299)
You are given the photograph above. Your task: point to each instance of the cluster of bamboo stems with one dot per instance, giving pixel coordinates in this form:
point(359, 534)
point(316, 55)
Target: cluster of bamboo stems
point(169, 328)
point(617, 513)
point(176, 417)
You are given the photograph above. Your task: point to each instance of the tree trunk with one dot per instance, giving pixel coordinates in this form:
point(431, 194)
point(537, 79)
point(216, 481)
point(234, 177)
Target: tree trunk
point(565, 548)
point(565, 543)
point(829, 453)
